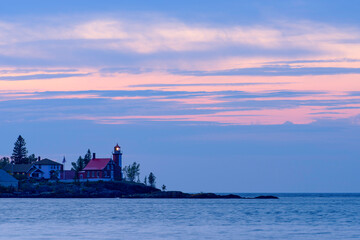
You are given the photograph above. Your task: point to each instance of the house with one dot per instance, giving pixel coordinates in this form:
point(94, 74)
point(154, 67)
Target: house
point(104, 168)
point(41, 169)
point(50, 168)
point(24, 171)
point(6, 180)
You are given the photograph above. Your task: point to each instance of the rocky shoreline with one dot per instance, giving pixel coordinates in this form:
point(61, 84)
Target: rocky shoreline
point(178, 194)
point(106, 190)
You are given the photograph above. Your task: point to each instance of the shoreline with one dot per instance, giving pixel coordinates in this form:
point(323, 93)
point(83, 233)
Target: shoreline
point(109, 189)
point(155, 195)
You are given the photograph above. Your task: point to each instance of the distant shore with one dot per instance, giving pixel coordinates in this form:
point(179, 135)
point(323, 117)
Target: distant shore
point(113, 189)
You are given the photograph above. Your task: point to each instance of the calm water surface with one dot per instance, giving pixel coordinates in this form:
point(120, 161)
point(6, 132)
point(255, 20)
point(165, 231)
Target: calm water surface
point(294, 216)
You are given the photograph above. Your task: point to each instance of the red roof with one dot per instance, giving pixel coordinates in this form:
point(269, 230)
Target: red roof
point(97, 164)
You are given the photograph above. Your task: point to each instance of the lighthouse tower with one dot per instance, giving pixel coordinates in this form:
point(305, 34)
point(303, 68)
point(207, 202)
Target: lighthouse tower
point(117, 158)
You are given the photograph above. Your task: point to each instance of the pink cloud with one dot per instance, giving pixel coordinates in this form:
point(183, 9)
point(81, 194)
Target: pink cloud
point(335, 88)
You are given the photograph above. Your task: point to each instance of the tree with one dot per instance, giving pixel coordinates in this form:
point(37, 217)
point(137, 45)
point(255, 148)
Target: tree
point(132, 171)
point(78, 166)
point(152, 179)
point(163, 187)
point(19, 151)
point(87, 157)
point(31, 158)
point(145, 180)
point(4, 161)
point(54, 175)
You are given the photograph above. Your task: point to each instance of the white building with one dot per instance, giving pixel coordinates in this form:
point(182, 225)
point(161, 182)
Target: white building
point(49, 168)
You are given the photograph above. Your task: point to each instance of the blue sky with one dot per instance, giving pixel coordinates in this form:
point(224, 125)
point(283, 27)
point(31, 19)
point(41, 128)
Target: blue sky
point(234, 96)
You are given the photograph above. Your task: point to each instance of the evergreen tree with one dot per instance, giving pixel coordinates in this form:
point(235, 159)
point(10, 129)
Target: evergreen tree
point(152, 179)
point(87, 157)
point(4, 161)
point(145, 180)
point(20, 151)
point(78, 166)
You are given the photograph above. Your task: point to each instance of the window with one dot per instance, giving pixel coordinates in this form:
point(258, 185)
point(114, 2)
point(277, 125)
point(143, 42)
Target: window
point(105, 173)
point(93, 174)
point(88, 174)
point(98, 174)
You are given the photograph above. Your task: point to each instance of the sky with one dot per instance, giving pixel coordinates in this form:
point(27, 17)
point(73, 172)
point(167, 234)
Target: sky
point(221, 96)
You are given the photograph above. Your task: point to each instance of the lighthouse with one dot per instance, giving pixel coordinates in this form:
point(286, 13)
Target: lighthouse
point(117, 158)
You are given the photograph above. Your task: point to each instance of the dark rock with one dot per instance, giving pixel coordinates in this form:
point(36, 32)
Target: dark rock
point(204, 195)
point(168, 194)
point(231, 196)
point(178, 194)
point(6, 195)
point(266, 197)
point(213, 195)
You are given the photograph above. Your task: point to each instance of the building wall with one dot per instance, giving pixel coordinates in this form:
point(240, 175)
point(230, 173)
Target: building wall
point(47, 169)
point(102, 174)
point(92, 174)
point(120, 160)
point(117, 158)
point(37, 175)
point(97, 174)
point(67, 175)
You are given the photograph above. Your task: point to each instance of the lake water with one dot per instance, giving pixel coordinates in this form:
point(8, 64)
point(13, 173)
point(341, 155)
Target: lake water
point(293, 216)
